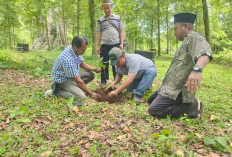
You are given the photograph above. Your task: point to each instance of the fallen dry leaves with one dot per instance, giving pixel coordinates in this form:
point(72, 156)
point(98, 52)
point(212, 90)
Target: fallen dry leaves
point(180, 152)
point(214, 154)
point(45, 119)
point(114, 129)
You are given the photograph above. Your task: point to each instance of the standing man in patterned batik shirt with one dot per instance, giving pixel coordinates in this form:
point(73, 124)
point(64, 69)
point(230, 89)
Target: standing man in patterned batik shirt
point(176, 97)
point(109, 34)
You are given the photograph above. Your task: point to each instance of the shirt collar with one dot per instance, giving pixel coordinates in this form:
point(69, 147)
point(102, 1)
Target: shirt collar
point(188, 35)
point(72, 52)
point(112, 15)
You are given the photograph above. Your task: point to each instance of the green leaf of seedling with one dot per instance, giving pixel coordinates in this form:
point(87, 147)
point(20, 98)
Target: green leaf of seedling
point(221, 141)
point(76, 149)
point(100, 64)
point(165, 132)
point(209, 141)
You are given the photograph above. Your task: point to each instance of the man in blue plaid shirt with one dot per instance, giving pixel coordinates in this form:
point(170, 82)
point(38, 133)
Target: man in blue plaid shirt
point(68, 80)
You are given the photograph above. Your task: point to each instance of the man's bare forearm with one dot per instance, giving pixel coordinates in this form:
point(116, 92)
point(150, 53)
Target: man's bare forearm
point(202, 61)
point(121, 34)
point(81, 84)
point(98, 39)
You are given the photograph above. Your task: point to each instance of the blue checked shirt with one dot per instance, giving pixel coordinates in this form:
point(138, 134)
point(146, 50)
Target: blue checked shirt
point(66, 66)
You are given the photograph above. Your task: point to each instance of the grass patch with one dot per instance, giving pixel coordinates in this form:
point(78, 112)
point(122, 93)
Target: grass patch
point(31, 125)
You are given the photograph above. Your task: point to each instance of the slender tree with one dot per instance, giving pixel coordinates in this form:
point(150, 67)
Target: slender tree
point(78, 17)
point(158, 14)
point(93, 27)
point(167, 21)
point(206, 20)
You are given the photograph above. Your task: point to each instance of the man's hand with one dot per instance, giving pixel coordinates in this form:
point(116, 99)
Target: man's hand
point(110, 87)
point(194, 81)
point(98, 50)
point(98, 70)
point(113, 93)
point(121, 46)
point(95, 95)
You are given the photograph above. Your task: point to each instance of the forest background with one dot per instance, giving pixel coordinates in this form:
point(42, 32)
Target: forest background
point(51, 24)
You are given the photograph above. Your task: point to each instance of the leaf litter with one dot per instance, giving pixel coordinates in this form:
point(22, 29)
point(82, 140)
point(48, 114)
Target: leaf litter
point(100, 125)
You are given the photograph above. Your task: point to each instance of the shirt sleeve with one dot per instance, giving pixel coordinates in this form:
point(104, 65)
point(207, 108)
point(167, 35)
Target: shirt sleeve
point(121, 27)
point(198, 46)
point(118, 71)
point(81, 59)
point(70, 69)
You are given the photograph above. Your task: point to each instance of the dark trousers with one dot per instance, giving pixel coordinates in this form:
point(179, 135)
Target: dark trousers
point(104, 53)
point(161, 107)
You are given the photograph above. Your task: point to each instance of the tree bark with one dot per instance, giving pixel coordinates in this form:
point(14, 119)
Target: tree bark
point(63, 17)
point(9, 27)
point(78, 17)
point(167, 16)
point(206, 20)
point(61, 32)
point(152, 31)
point(158, 14)
point(93, 27)
point(47, 33)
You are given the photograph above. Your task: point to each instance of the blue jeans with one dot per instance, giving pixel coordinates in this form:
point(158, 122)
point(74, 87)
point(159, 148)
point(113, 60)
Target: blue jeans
point(140, 85)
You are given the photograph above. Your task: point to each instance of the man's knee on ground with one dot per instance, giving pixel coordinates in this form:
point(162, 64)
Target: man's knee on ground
point(155, 113)
point(81, 96)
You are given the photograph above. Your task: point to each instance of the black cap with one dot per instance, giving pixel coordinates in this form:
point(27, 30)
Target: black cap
point(184, 17)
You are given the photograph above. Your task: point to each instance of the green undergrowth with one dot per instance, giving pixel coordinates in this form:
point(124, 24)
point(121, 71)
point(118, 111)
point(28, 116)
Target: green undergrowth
point(32, 125)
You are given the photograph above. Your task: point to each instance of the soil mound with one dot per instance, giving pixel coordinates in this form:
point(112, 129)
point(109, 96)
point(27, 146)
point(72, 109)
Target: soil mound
point(105, 97)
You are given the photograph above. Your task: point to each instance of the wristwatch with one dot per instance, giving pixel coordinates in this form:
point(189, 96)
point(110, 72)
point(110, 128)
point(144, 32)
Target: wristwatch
point(197, 68)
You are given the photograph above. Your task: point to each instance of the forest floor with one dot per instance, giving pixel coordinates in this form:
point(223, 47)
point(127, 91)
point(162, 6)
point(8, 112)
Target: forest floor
point(32, 125)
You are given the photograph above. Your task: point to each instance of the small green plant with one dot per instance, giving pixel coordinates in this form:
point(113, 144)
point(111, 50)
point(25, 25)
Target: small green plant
point(75, 150)
point(218, 142)
point(165, 140)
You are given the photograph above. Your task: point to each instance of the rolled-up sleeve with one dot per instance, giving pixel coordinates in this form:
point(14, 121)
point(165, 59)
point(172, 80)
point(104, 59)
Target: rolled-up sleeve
point(198, 46)
point(121, 27)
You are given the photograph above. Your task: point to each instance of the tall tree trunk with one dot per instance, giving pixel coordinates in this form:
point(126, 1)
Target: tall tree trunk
point(47, 33)
point(167, 16)
point(93, 27)
point(73, 29)
point(152, 30)
point(158, 14)
point(61, 32)
point(14, 37)
point(78, 17)
point(196, 22)
point(32, 31)
point(9, 27)
point(63, 17)
point(206, 20)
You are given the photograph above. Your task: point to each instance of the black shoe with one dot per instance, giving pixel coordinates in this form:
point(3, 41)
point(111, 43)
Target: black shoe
point(78, 103)
point(136, 98)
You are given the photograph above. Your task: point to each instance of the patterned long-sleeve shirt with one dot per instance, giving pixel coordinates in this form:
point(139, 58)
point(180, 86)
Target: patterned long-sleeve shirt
point(193, 46)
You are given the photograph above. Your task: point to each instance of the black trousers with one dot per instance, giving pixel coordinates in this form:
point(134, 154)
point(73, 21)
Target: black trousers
point(104, 53)
point(161, 107)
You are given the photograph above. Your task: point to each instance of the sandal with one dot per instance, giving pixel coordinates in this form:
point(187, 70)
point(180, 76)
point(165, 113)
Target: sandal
point(200, 109)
